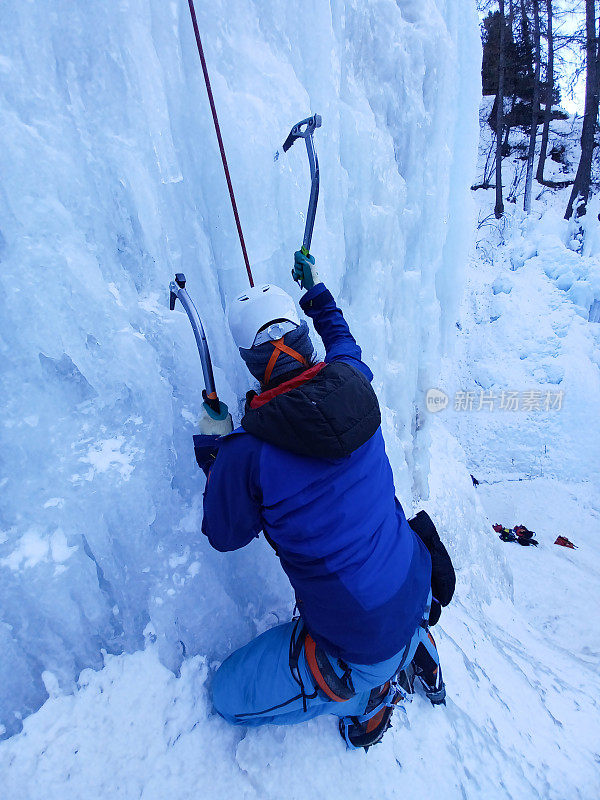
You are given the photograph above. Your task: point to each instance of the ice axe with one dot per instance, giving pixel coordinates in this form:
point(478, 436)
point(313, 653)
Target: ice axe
point(178, 291)
point(304, 130)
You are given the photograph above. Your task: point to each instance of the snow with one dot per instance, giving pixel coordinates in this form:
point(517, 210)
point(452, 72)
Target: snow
point(32, 549)
point(115, 611)
point(521, 719)
point(108, 454)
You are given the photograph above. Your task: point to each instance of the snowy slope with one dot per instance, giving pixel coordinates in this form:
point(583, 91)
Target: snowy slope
point(111, 182)
point(521, 720)
point(529, 334)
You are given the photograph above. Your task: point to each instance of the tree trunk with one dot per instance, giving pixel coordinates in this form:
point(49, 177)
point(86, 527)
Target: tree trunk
point(549, 96)
point(526, 37)
point(499, 207)
point(535, 107)
point(581, 187)
point(514, 94)
point(507, 121)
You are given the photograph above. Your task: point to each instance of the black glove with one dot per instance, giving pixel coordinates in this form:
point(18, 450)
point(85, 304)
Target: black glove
point(206, 449)
point(443, 577)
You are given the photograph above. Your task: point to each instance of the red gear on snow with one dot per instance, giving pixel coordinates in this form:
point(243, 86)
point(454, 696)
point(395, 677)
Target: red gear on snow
point(564, 542)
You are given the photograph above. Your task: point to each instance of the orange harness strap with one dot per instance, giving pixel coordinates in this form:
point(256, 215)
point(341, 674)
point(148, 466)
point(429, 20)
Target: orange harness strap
point(311, 660)
point(280, 347)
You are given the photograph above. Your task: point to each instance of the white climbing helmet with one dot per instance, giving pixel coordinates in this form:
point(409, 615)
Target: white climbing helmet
point(250, 313)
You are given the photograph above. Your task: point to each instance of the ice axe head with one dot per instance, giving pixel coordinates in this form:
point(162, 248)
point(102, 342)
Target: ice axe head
point(302, 130)
point(179, 282)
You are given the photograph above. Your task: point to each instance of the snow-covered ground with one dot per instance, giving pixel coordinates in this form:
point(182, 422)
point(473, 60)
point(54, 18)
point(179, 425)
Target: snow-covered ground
point(101, 564)
point(521, 719)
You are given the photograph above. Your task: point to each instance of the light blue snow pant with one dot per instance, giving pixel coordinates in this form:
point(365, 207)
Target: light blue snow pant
point(255, 686)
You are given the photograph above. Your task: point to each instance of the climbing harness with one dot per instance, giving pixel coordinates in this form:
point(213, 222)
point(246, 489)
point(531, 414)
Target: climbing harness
point(336, 688)
point(220, 140)
point(297, 641)
point(339, 689)
point(304, 130)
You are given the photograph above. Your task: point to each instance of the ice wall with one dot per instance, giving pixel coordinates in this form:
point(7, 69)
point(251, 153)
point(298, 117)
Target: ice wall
point(111, 182)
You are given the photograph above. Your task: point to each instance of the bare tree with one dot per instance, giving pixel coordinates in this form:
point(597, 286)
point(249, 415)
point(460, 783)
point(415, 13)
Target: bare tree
point(499, 207)
point(535, 106)
point(581, 188)
point(509, 117)
point(549, 94)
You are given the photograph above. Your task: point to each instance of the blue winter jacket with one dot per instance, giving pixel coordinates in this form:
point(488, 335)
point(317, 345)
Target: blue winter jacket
point(360, 574)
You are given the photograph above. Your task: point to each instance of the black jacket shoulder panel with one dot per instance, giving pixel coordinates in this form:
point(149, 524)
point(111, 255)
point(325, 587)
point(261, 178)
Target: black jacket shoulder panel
point(330, 416)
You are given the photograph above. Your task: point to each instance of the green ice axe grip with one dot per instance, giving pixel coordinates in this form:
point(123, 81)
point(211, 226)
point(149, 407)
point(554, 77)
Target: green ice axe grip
point(304, 252)
point(179, 292)
point(304, 130)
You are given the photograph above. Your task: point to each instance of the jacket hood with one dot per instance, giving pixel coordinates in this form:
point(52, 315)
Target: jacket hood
point(328, 411)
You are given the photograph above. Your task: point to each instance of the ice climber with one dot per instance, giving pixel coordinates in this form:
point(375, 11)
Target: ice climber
point(308, 467)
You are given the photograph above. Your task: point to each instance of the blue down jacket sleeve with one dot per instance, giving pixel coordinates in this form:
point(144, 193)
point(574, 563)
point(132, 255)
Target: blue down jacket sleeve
point(232, 497)
point(329, 322)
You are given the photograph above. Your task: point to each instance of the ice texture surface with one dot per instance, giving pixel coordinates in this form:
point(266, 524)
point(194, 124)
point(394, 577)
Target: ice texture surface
point(111, 183)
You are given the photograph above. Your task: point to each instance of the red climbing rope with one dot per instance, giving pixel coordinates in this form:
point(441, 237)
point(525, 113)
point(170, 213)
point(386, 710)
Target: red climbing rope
point(220, 140)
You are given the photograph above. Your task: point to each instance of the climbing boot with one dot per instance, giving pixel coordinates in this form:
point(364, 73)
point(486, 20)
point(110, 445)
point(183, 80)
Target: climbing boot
point(368, 729)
